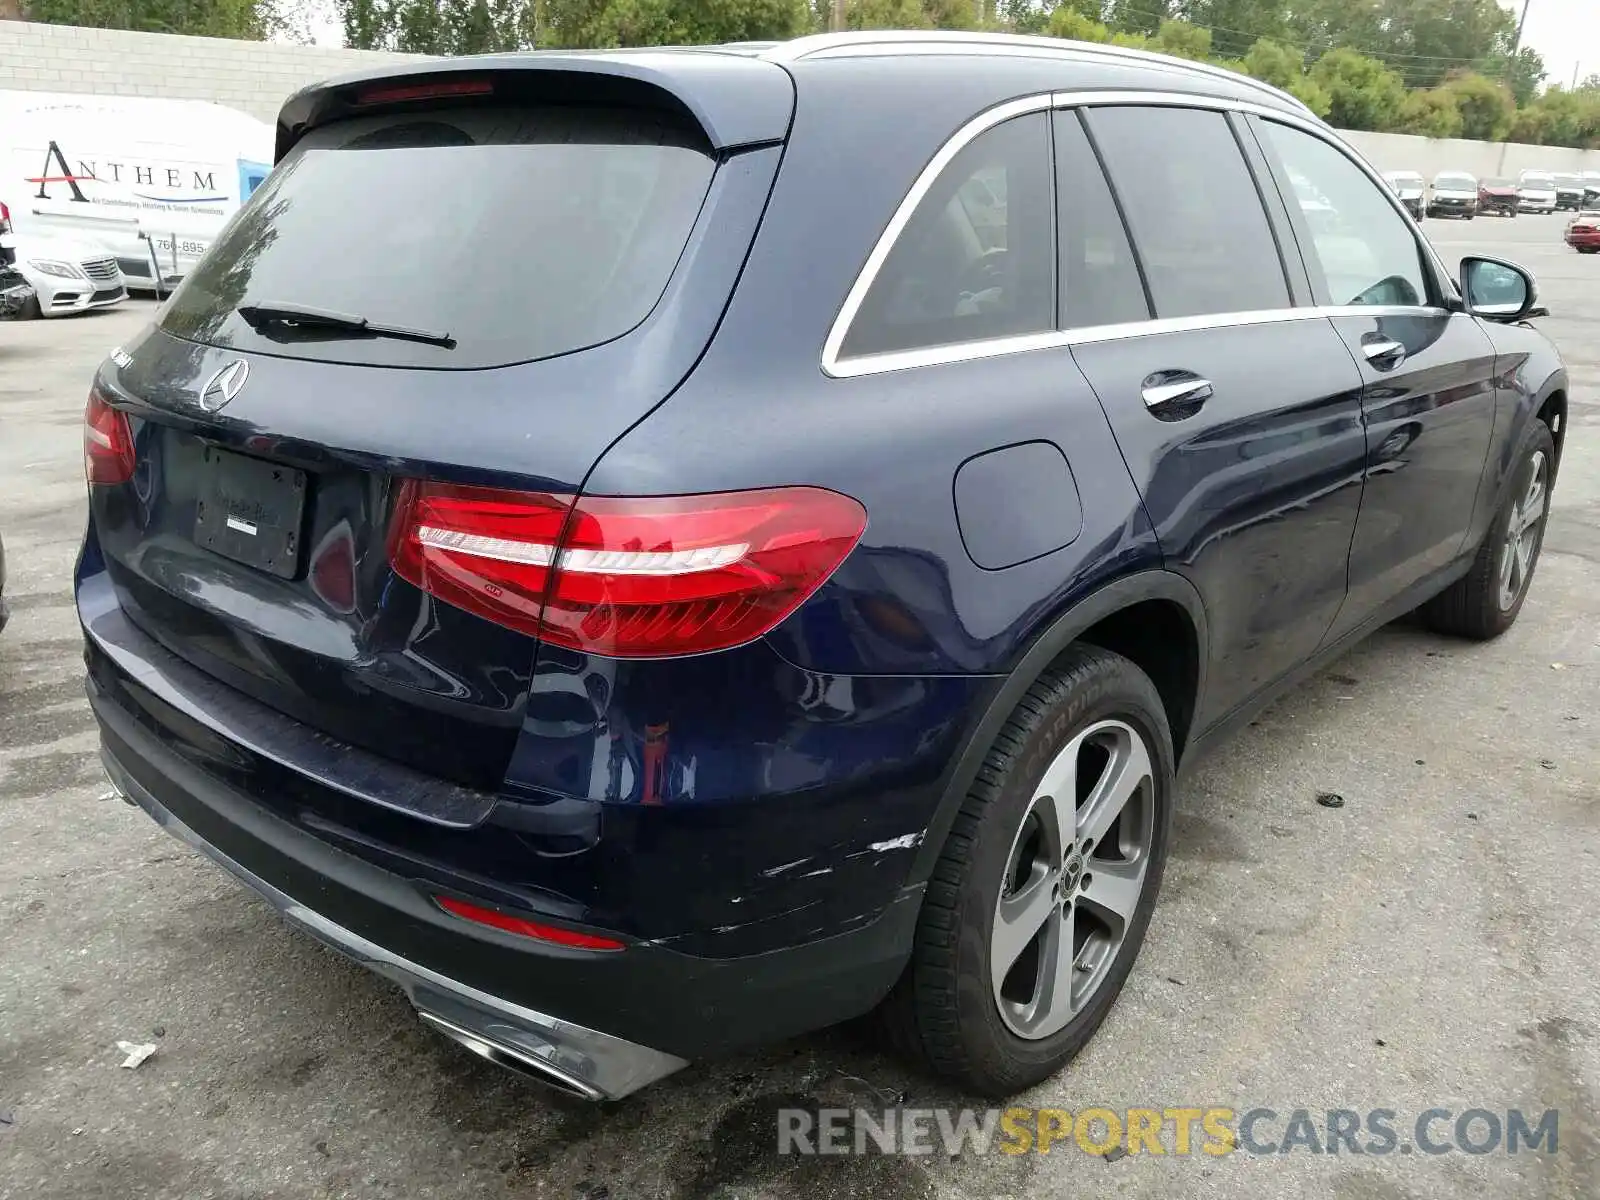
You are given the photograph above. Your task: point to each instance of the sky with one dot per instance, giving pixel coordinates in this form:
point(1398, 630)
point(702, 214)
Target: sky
point(1566, 33)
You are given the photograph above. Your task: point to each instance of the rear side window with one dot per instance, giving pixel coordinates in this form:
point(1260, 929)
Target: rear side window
point(977, 258)
point(1100, 282)
point(521, 232)
point(1193, 209)
point(1363, 249)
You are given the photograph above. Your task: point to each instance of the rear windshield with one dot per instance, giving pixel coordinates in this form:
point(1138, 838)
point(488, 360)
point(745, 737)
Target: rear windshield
point(1538, 179)
point(521, 233)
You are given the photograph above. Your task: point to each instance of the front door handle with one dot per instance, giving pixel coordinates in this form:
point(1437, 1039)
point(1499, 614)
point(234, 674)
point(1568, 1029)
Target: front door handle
point(1383, 352)
point(1173, 395)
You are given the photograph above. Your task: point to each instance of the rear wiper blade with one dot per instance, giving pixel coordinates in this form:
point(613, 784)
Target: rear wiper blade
point(303, 316)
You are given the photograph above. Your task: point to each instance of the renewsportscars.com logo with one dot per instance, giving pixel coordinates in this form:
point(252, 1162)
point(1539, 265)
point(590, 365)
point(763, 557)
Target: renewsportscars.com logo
point(1179, 1131)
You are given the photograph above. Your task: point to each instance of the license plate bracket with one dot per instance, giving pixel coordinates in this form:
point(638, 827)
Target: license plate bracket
point(251, 511)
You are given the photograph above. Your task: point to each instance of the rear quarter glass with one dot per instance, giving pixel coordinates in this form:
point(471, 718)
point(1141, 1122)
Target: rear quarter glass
point(522, 232)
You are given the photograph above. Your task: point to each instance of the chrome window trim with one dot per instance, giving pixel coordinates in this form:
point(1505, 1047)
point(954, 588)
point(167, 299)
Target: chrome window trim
point(958, 142)
point(898, 360)
point(1088, 335)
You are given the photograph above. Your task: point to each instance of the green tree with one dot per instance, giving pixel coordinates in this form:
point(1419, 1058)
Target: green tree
point(1431, 113)
point(1275, 63)
point(1440, 36)
point(1238, 24)
point(887, 14)
point(1362, 92)
point(1137, 16)
point(1522, 72)
point(1562, 118)
point(1183, 40)
point(1531, 126)
point(248, 19)
point(1068, 22)
point(609, 23)
point(1284, 67)
point(1486, 107)
point(1421, 40)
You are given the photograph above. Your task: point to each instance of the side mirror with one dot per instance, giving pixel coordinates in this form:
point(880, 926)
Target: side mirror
point(1498, 291)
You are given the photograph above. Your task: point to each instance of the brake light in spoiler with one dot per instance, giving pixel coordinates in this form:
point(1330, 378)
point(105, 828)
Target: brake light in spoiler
point(438, 90)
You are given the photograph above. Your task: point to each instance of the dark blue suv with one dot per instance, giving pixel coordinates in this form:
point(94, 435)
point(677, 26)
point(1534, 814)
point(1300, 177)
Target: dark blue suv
point(659, 551)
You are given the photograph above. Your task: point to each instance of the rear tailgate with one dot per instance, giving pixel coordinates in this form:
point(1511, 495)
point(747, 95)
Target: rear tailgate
point(574, 260)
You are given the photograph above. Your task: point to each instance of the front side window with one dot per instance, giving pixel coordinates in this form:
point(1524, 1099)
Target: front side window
point(1193, 210)
point(1364, 249)
point(977, 259)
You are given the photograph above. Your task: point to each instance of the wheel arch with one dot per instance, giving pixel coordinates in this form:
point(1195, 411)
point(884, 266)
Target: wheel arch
point(1118, 616)
point(1552, 410)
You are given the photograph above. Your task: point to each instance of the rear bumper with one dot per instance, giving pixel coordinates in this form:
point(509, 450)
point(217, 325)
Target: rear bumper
point(583, 1061)
point(600, 1023)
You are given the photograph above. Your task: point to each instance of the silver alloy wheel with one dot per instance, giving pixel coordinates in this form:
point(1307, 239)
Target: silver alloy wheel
point(1522, 534)
point(1073, 879)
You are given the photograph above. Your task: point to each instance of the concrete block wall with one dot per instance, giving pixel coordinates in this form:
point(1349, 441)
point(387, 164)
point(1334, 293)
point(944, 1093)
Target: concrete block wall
point(254, 77)
point(1485, 160)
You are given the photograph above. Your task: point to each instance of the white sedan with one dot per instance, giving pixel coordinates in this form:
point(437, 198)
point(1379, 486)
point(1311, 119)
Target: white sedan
point(68, 276)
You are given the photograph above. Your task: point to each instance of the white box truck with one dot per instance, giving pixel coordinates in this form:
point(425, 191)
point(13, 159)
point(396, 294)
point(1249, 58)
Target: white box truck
point(149, 182)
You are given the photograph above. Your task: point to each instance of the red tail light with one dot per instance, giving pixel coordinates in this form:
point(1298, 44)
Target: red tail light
point(643, 577)
point(5, 218)
point(519, 925)
point(107, 443)
point(442, 89)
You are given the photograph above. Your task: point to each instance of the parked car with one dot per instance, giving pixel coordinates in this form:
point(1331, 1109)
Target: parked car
point(16, 297)
point(672, 656)
point(1411, 189)
point(1498, 196)
point(1569, 192)
point(1536, 192)
point(5, 609)
point(1455, 194)
point(1591, 189)
point(1583, 232)
point(66, 277)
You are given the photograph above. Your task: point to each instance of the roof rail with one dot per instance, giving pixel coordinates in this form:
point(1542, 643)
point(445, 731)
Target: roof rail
point(890, 40)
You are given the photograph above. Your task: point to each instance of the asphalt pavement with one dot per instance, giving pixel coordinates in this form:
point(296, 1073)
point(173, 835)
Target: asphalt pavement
point(1431, 943)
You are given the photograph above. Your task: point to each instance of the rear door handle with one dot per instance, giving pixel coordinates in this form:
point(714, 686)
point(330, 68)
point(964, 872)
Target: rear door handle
point(1383, 352)
point(1173, 395)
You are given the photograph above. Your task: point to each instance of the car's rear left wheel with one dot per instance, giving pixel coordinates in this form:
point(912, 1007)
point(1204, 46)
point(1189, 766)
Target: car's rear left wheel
point(1039, 903)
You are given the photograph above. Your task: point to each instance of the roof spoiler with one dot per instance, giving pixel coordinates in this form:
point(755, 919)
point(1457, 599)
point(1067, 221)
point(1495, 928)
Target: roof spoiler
point(736, 100)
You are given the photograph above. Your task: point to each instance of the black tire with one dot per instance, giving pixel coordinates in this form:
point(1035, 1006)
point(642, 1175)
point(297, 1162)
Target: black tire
point(30, 310)
point(1472, 606)
point(943, 1009)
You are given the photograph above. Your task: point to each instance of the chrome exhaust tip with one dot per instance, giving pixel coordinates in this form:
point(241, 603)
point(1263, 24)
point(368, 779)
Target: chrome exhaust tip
point(513, 1059)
